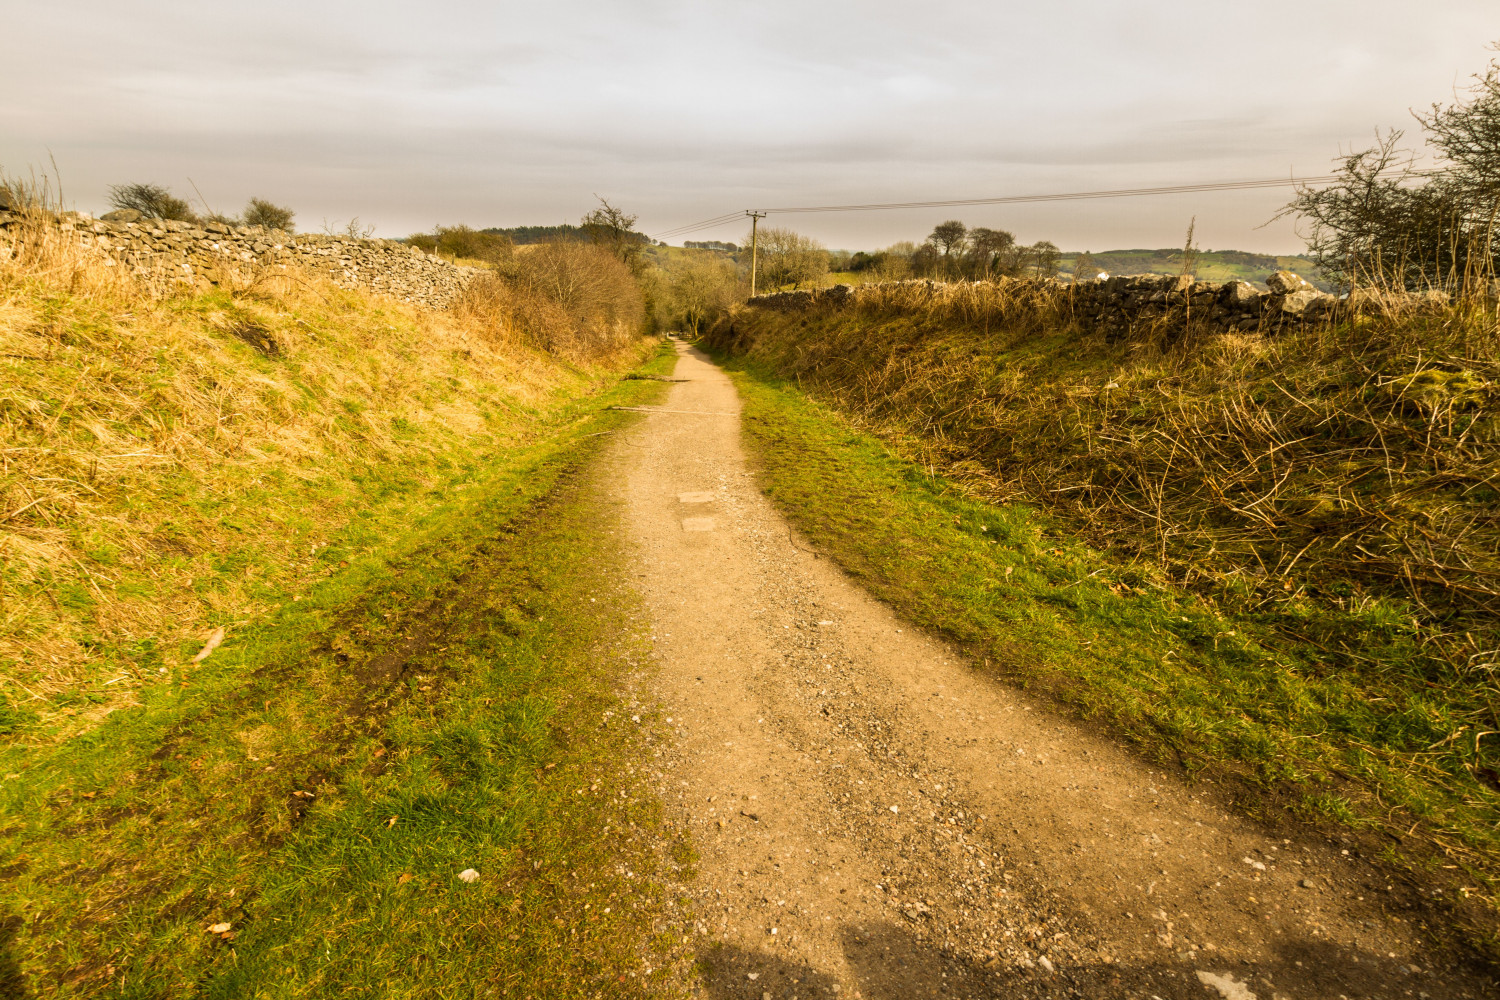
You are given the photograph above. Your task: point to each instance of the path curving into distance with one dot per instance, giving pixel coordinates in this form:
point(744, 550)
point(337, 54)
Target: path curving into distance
point(874, 819)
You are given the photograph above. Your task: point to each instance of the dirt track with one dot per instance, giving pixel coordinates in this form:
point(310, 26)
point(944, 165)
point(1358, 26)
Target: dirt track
point(877, 820)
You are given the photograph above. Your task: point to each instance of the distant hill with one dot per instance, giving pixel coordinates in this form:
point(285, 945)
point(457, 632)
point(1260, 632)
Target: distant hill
point(521, 235)
point(1216, 265)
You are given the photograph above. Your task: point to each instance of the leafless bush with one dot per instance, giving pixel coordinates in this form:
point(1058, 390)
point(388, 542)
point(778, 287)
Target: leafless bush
point(788, 258)
point(1385, 224)
point(151, 200)
point(573, 299)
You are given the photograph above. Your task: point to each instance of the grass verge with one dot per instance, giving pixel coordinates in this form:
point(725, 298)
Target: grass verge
point(173, 464)
point(1220, 695)
point(291, 819)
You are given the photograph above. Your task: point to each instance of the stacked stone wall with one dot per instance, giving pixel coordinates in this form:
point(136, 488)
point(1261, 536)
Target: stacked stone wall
point(1120, 305)
point(193, 253)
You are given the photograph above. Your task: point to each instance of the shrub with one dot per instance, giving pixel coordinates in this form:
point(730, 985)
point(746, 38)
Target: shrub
point(594, 289)
point(260, 212)
point(788, 258)
point(572, 299)
point(465, 243)
point(691, 294)
point(151, 200)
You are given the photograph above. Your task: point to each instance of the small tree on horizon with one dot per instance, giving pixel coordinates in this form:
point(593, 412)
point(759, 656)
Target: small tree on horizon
point(260, 212)
point(614, 230)
point(151, 200)
point(1043, 256)
point(1086, 267)
point(992, 250)
point(949, 236)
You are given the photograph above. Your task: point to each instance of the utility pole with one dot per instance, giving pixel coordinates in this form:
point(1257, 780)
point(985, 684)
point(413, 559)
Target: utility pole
point(755, 218)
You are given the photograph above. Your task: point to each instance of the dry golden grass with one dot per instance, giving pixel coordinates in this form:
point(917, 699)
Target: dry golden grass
point(1362, 450)
point(176, 459)
point(1338, 484)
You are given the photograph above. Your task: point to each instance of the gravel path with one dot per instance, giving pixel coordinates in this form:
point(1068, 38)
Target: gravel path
point(874, 819)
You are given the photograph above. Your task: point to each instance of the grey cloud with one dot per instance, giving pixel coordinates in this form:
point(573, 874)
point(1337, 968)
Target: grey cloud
point(511, 112)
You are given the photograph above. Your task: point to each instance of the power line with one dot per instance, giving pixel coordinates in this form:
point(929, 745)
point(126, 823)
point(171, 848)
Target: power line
point(716, 220)
point(1070, 196)
point(1249, 185)
point(695, 226)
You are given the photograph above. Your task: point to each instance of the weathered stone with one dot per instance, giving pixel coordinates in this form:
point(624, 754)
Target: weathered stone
point(1294, 303)
point(1287, 282)
point(1323, 305)
point(1239, 295)
point(177, 251)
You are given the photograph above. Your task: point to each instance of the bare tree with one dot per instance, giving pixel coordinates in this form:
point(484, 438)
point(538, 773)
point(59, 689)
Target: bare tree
point(789, 258)
point(614, 230)
point(949, 236)
point(696, 291)
point(151, 200)
point(1383, 222)
point(991, 250)
point(1086, 266)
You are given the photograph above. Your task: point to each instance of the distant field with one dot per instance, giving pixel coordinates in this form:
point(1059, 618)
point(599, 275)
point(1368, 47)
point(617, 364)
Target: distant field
point(1218, 265)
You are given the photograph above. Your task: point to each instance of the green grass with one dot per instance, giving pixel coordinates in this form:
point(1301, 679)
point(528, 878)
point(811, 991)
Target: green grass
point(454, 697)
point(161, 477)
point(1222, 695)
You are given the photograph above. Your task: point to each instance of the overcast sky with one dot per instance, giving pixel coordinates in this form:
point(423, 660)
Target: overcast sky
point(501, 113)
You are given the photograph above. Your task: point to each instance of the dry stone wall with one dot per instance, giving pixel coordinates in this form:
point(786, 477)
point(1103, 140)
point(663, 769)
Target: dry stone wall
point(192, 253)
point(1122, 304)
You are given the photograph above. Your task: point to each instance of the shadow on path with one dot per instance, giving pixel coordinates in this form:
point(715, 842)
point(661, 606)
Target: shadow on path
point(889, 962)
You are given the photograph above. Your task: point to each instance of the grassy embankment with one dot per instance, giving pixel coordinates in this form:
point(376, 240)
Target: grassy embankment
point(425, 669)
point(1272, 561)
